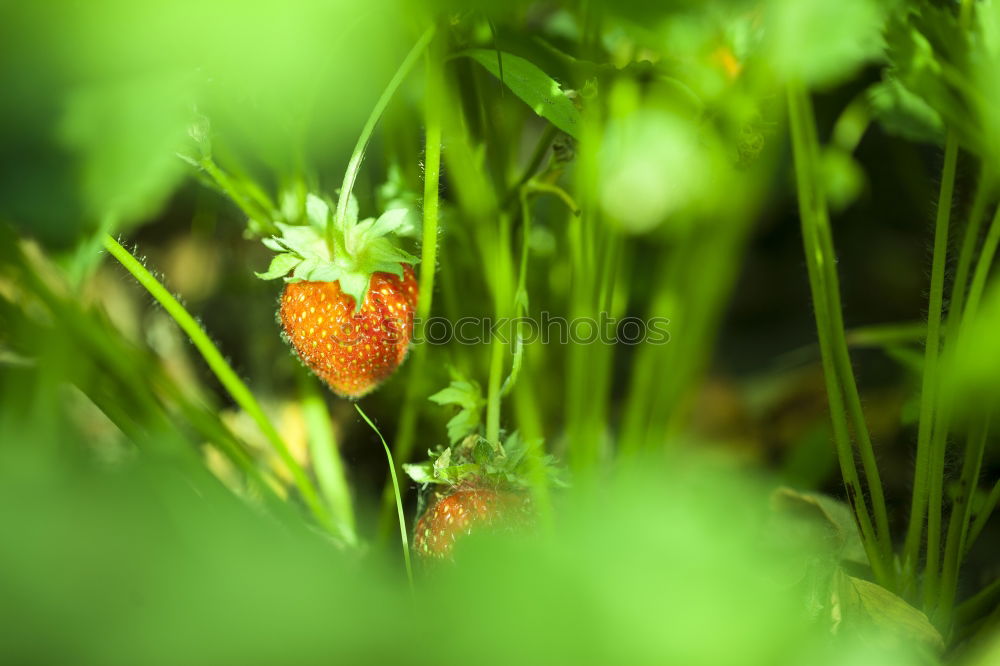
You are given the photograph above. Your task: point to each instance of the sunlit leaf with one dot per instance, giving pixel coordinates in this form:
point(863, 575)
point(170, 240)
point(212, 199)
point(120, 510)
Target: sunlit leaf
point(533, 86)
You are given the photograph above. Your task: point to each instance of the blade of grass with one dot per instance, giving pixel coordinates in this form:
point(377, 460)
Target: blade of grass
point(226, 375)
point(327, 464)
point(405, 542)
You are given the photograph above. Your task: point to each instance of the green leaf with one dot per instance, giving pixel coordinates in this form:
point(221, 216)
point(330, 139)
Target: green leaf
point(865, 605)
point(904, 113)
point(306, 241)
point(319, 271)
point(389, 222)
point(833, 519)
point(318, 211)
point(356, 286)
point(280, 265)
point(469, 397)
point(421, 472)
point(533, 86)
point(463, 393)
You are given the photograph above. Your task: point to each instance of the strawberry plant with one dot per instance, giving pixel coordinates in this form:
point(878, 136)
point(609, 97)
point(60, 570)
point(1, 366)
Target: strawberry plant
point(711, 289)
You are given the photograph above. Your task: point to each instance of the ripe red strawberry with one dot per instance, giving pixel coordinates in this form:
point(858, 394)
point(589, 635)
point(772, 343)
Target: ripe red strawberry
point(352, 352)
point(463, 509)
point(348, 307)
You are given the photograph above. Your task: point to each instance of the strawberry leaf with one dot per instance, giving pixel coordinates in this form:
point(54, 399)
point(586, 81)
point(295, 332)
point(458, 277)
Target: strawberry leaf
point(307, 242)
point(469, 397)
point(317, 211)
point(390, 221)
point(356, 286)
point(280, 265)
point(421, 472)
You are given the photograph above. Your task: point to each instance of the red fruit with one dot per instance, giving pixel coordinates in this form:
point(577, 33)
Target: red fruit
point(463, 509)
point(353, 352)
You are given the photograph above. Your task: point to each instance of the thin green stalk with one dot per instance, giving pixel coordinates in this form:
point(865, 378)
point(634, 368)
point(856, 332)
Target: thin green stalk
point(226, 375)
point(932, 432)
point(982, 272)
point(982, 516)
point(976, 290)
point(326, 460)
point(821, 265)
point(497, 256)
point(842, 357)
point(541, 148)
point(432, 176)
point(970, 239)
point(404, 540)
point(493, 391)
point(366, 133)
point(958, 525)
point(975, 607)
point(250, 208)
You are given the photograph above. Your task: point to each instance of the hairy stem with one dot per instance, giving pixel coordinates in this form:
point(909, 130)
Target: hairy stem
point(958, 525)
point(821, 264)
point(934, 423)
point(224, 372)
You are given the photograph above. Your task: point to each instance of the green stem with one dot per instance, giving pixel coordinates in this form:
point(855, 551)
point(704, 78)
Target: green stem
point(976, 290)
point(366, 133)
point(226, 375)
point(432, 176)
point(399, 500)
point(821, 265)
point(541, 148)
point(978, 605)
point(934, 423)
point(983, 516)
point(244, 202)
point(970, 238)
point(982, 272)
point(493, 391)
point(958, 525)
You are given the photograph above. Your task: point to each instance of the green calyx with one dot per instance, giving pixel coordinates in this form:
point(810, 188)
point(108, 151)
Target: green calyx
point(474, 459)
point(349, 253)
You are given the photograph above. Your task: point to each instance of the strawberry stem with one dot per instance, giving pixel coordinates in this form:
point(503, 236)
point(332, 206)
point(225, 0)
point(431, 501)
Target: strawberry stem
point(358, 155)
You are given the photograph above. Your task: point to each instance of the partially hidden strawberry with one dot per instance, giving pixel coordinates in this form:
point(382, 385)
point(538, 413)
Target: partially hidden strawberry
point(471, 486)
point(347, 308)
point(465, 508)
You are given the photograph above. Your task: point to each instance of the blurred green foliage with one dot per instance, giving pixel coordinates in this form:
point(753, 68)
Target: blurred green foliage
point(629, 159)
